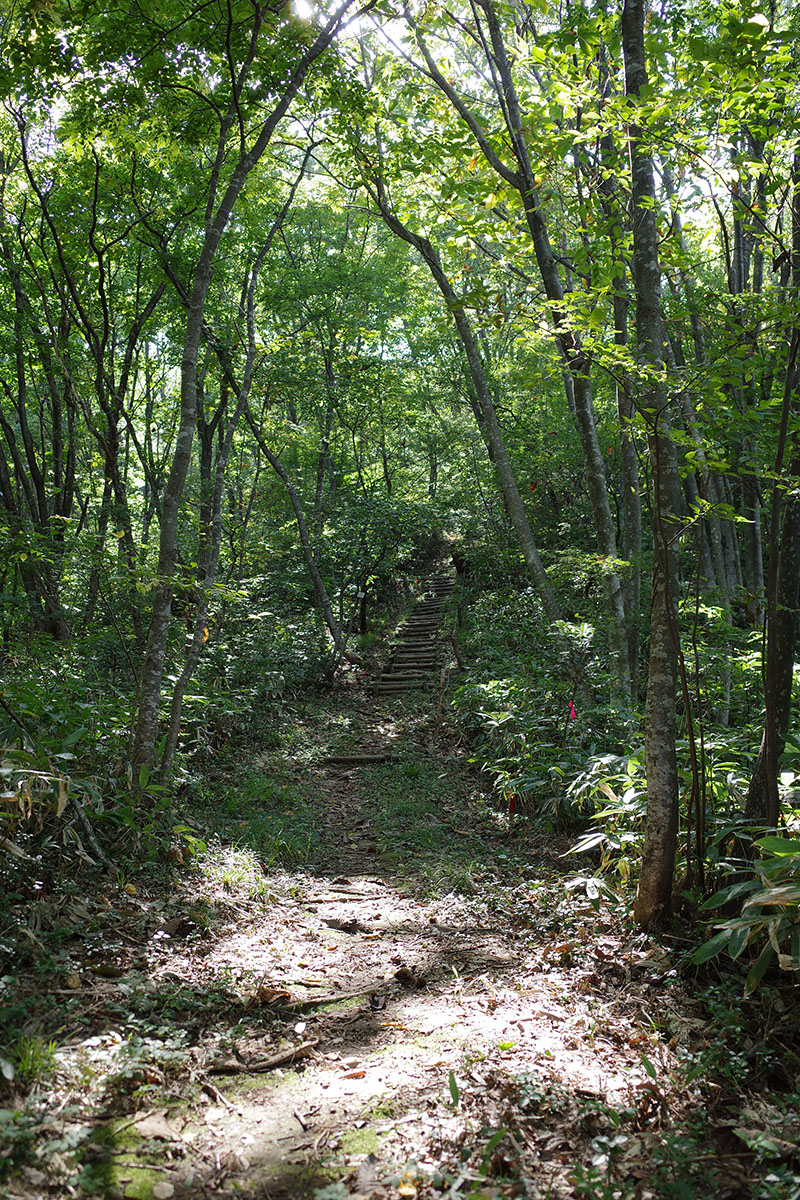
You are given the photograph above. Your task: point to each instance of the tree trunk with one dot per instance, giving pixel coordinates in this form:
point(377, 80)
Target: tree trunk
point(658, 860)
point(576, 363)
point(490, 424)
point(761, 806)
point(218, 214)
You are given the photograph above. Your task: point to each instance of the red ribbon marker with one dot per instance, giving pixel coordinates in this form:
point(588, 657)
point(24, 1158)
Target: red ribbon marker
point(572, 714)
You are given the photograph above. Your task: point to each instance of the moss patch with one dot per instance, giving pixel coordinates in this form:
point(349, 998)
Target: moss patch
point(266, 1082)
point(360, 1141)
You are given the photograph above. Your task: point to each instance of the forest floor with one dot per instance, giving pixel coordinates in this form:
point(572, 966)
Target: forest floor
point(429, 1004)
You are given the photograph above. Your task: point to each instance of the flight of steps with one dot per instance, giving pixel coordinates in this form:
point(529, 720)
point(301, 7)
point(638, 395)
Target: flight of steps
point(415, 653)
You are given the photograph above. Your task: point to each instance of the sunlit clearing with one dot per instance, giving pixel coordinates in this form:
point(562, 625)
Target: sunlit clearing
point(303, 9)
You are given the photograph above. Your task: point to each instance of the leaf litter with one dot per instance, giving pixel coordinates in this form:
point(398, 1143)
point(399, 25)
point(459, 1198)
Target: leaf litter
point(376, 1029)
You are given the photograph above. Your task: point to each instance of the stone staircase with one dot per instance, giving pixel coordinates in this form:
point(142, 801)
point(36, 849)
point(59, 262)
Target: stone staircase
point(416, 651)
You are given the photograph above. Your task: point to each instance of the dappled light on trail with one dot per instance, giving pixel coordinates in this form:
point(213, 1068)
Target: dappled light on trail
point(372, 985)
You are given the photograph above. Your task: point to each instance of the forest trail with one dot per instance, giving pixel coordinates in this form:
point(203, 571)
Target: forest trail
point(429, 1006)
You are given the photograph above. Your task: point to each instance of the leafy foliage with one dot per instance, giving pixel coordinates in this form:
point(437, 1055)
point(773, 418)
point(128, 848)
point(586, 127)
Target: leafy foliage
point(767, 931)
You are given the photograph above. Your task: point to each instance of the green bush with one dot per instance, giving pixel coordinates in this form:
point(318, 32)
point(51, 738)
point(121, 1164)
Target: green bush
point(767, 929)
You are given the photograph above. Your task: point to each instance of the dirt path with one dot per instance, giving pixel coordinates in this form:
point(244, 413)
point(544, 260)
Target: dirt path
point(427, 1007)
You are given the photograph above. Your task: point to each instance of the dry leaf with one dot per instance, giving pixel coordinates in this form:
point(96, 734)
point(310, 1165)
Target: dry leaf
point(178, 926)
point(155, 1125)
point(270, 995)
point(368, 1181)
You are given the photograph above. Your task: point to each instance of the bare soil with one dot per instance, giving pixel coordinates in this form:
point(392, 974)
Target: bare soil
point(395, 1018)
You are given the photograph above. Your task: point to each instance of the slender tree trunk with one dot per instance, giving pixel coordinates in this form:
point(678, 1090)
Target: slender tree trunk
point(577, 368)
point(658, 860)
point(218, 214)
point(488, 422)
point(321, 598)
point(762, 803)
point(207, 574)
point(783, 589)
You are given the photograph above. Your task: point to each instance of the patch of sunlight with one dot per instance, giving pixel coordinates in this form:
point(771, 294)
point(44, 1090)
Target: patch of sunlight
point(233, 868)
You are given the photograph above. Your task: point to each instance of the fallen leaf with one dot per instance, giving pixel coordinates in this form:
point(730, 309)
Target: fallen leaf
point(410, 977)
point(74, 982)
point(155, 1125)
point(367, 1181)
point(270, 995)
point(345, 926)
point(179, 926)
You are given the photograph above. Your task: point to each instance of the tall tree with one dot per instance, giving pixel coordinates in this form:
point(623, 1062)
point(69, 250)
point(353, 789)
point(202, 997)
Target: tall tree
point(248, 109)
point(653, 900)
point(480, 61)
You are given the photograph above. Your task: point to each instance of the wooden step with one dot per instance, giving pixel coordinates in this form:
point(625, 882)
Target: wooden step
point(402, 677)
point(397, 691)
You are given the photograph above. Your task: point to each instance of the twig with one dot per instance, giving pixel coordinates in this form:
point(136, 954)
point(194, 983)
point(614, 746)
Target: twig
point(216, 1094)
point(17, 720)
point(335, 997)
point(149, 1166)
point(264, 1064)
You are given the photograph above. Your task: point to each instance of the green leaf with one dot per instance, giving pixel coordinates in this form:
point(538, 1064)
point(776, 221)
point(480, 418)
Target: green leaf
point(758, 969)
point(73, 737)
point(144, 776)
point(778, 845)
point(494, 1140)
point(712, 947)
point(725, 895)
point(739, 939)
point(648, 1066)
point(454, 1092)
